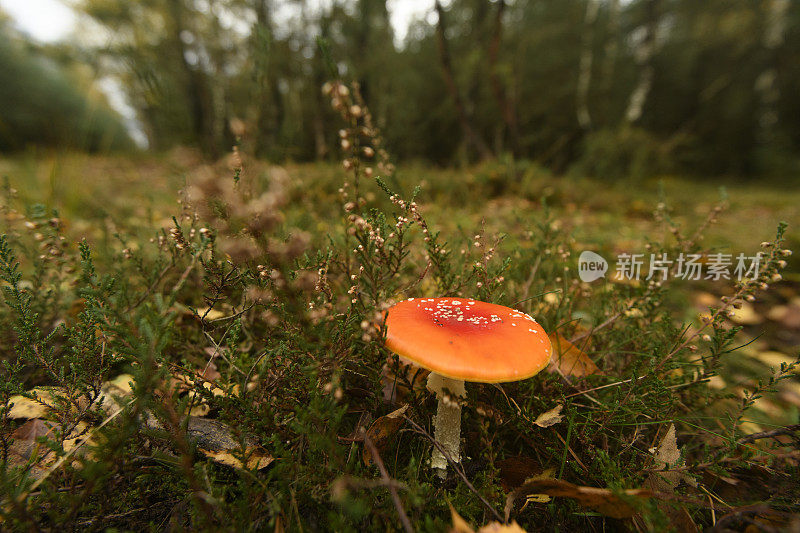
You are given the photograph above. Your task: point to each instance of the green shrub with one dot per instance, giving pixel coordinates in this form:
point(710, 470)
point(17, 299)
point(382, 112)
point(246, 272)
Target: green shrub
point(623, 153)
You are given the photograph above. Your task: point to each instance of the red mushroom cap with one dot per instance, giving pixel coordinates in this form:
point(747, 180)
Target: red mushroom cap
point(466, 339)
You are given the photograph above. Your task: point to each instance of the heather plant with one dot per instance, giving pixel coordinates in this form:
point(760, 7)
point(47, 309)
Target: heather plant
point(231, 374)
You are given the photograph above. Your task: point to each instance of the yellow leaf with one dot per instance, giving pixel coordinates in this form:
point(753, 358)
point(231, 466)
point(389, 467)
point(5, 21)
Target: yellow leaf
point(550, 418)
point(23, 407)
point(256, 458)
point(569, 360)
point(114, 392)
point(746, 315)
point(461, 526)
point(210, 314)
point(549, 473)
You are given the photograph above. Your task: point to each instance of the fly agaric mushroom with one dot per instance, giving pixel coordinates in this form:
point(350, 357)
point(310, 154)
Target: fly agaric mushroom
point(458, 340)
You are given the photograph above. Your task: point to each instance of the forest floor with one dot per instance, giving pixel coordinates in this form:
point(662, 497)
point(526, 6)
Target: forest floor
point(99, 197)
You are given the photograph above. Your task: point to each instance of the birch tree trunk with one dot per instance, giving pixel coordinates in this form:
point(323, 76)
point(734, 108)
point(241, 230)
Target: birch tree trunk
point(612, 45)
point(585, 70)
point(644, 58)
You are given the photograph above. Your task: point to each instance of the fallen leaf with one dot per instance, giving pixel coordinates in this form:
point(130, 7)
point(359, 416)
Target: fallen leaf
point(666, 455)
point(257, 458)
point(790, 392)
point(746, 315)
point(549, 473)
point(680, 519)
point(216, 441)
point(381, 432)
point(210, 313)
point(569, 360)
point(787, 315)
point(704, 300)
point(25, 448)
point(550, 418)
point(604, 501)
point(515, 470)
point(24, 407)
point(461, 526)
point(114, 392)
point(774, 359)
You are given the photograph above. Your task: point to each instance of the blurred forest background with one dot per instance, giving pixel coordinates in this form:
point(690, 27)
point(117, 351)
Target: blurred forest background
point(608, 88)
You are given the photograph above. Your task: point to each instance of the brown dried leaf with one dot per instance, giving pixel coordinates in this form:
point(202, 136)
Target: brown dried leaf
point(381, 432)
point(569, 360)
point(602, 500)
point(667, 455)
point(550, 418)
point(515, 470)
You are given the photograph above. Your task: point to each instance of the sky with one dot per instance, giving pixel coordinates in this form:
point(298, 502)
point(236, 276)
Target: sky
point(44, 20)
point(53, 20)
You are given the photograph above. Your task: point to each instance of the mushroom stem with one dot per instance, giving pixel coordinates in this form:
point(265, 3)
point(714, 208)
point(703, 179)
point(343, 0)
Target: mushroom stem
point(447, 423)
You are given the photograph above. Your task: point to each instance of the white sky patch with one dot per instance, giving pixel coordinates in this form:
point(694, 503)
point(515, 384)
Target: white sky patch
point(403, 12)
point(44, 20)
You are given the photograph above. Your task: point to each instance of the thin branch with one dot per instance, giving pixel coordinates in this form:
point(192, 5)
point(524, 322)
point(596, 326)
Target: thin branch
point(457, 467)
point(398, 504)
point(786, 430)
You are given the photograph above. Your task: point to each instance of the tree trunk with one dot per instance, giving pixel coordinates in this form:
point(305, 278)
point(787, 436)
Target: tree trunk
point(504, 102)
point(585, 70)
point(766, 85)
point(201, 106)
point(612, 45)
point(447, 71)
point(644, 58)
point(269, 104)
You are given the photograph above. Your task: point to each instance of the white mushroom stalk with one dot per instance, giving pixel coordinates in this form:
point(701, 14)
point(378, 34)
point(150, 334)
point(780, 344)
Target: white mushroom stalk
point(447, 422)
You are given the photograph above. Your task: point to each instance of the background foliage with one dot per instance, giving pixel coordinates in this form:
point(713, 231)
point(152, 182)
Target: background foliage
point(603, 86)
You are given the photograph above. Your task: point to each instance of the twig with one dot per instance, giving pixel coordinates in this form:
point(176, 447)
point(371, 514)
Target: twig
point(603, 387)
point(607, 323)
point(398, 504)
point(419, 429)
point(786, 430)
